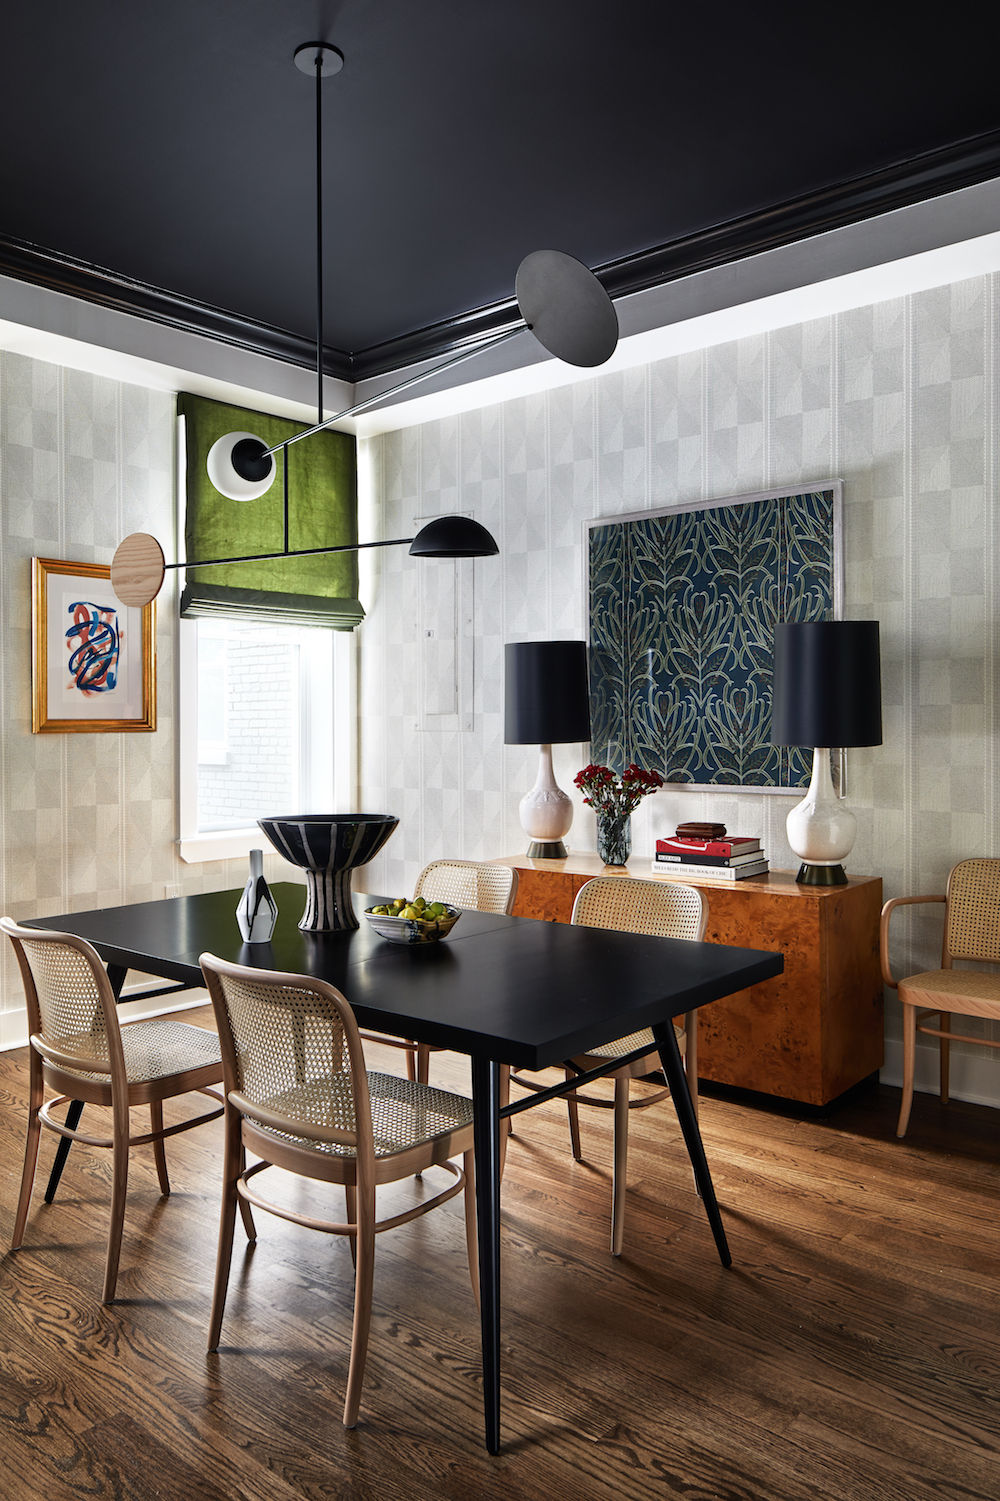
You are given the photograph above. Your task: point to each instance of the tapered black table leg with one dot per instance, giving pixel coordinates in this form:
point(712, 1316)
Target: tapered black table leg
point(116, 974)
point(486, 1122)
point(73, 1115)
point(673, 1068)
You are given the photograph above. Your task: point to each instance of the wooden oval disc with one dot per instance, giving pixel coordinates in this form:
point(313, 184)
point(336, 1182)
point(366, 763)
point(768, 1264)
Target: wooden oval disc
point(137, 570)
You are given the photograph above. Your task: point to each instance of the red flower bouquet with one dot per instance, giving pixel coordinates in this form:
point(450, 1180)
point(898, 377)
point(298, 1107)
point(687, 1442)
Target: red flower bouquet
point(613, 799)
point(613, 796)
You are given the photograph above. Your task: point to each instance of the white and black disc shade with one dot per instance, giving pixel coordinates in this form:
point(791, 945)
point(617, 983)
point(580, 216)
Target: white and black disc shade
point(240, 466)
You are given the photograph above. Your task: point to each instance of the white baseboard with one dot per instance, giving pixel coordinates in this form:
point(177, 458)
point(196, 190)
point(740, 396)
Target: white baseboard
point(971, 1076)
point(14, 1024)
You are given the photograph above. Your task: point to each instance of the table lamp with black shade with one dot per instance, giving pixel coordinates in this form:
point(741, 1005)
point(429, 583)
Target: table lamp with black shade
point(827, 692)
point(546, 703)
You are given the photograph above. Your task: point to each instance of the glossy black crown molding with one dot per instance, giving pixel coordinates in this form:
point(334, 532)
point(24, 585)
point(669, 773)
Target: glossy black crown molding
point(124, 294)
point(945, 170)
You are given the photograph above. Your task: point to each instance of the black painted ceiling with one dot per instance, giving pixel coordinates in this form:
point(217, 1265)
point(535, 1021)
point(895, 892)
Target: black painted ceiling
point(171, 141)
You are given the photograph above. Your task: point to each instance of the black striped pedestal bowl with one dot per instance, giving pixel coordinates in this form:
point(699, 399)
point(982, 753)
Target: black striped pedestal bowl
point(328, 846)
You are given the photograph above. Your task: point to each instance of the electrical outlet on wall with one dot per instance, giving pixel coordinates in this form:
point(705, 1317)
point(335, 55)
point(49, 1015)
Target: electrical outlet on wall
point(169, 891)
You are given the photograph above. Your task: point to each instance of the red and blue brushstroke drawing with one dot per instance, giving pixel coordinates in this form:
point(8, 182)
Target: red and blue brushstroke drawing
point(94, 643)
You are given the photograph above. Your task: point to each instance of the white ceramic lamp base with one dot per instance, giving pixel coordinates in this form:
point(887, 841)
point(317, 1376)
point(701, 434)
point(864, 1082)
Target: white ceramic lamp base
point(821, 831)
point(546, 812)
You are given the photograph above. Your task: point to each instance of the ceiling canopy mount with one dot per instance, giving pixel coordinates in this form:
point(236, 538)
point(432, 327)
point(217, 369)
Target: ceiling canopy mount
point(318, 57)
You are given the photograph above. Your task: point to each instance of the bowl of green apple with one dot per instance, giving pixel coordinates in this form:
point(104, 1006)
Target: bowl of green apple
point(416, 921)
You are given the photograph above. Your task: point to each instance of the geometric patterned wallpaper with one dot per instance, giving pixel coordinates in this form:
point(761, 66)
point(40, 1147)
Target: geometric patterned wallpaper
point(900, 400)
point(86, 820)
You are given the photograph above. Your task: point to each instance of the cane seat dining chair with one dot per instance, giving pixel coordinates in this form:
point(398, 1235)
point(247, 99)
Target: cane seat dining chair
point(299, 1097)
point(664, 910)
point(971, 932)
point(79, 1048)
point(476, 885)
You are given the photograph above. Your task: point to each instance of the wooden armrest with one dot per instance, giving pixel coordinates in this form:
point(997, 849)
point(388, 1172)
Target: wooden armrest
point(883, 929)
point(78, 1063)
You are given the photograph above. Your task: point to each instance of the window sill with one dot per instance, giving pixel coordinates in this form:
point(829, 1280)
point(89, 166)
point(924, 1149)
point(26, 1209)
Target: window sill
point(226, 844)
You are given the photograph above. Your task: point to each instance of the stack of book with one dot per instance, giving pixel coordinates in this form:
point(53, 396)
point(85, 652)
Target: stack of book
point(726, 858)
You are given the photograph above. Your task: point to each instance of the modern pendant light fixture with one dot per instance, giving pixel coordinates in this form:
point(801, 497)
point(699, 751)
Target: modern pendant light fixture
point(560, 300)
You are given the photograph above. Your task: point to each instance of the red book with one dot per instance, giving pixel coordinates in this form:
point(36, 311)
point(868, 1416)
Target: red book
point(724, 848)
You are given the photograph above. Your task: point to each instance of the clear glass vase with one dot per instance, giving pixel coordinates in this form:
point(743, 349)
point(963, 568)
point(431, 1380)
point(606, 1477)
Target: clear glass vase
point(614, 837)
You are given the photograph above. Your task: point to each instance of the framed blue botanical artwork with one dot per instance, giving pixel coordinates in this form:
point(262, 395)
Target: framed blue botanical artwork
point(682, 609)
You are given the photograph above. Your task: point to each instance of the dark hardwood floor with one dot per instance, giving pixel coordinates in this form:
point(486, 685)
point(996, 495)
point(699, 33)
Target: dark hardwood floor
point(850, 1354)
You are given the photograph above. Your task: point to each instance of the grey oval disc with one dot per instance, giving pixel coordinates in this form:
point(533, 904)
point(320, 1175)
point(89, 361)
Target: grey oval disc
point(566, 308)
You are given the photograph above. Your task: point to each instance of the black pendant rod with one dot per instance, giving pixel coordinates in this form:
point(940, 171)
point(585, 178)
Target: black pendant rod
point(319, 239)
point(284, 484)
point(302, 552)
point(411, 380)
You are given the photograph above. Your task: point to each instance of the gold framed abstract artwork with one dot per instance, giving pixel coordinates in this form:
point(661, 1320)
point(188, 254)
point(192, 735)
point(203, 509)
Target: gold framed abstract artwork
point(93, 659)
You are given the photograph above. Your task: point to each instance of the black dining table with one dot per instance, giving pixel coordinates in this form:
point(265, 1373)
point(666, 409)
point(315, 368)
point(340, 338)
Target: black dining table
point(504, 990)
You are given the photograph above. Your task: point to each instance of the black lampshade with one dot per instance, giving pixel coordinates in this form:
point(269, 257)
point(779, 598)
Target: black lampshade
point(546, 693)
point(827, 683)
point(453, 537)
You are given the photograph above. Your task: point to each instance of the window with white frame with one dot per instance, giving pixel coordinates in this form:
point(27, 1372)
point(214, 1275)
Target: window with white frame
point(213, 689)
point(267, 727)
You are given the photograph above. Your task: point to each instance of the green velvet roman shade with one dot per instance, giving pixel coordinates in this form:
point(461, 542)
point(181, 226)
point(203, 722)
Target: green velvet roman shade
point(322, 509)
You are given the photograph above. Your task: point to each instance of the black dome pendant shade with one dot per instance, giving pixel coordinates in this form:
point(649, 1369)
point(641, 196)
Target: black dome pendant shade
point(453, 537)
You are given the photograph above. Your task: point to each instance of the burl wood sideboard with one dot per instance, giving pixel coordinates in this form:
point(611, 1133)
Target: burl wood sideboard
point(807, 1035)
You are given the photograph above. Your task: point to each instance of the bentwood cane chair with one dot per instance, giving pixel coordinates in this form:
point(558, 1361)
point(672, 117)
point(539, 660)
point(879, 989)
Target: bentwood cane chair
point(298, 1097)
point(971, 932)
point(664, 910)
point(79, 1048)
point(476, 885)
